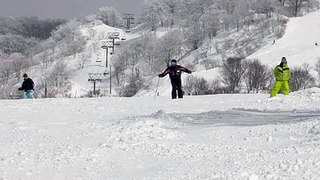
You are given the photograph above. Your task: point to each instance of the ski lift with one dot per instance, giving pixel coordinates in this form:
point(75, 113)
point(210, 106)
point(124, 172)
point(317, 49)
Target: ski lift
point(98, 58)
point(105, 73)
point(116, 34)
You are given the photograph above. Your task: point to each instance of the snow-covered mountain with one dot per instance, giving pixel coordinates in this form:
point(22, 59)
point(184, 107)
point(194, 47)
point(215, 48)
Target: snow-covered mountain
point(297, 44)
point(96, 35)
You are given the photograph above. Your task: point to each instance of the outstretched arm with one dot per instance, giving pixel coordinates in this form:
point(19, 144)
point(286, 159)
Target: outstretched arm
point(181, 68)
point(164, 73)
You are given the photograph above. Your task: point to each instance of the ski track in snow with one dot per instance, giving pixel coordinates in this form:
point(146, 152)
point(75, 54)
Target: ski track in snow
point(200, 137)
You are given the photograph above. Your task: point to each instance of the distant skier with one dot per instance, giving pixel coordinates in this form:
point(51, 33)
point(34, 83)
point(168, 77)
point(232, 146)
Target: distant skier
point(282, 74)
point(27, 87)
point(174, 72)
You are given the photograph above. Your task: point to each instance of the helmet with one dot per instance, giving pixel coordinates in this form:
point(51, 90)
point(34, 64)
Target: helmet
point(284, 60)
point(25, 75)
point(173, 62)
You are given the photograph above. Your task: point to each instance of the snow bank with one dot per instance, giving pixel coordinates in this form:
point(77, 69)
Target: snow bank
point(305, 100)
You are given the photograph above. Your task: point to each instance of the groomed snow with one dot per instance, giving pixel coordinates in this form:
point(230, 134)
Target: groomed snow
point(241, 136)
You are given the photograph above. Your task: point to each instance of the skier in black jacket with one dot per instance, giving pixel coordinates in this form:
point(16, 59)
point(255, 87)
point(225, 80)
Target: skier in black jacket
point(27, 87)
point(174, 72)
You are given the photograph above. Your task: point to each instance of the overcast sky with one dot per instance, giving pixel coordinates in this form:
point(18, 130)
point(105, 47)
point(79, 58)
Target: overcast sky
point(64, 8)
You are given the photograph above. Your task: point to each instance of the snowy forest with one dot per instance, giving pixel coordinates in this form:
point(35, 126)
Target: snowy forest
point(198, 33)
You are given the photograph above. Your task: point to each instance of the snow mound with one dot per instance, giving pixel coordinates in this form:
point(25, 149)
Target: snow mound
point(141, 130)
point(304, 100)
point(315, 130)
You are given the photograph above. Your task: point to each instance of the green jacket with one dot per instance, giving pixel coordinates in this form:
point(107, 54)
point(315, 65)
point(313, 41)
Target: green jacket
point(282, 73)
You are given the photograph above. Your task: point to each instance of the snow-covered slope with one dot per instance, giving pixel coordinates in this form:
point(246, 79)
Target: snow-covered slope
point(201, 137)
point(95, 33)
point(297, 44)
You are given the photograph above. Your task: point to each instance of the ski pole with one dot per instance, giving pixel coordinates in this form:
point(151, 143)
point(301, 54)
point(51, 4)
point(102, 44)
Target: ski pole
point(156, 89)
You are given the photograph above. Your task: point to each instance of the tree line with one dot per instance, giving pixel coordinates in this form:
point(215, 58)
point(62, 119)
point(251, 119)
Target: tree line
point(204, 18)
point(22, 34)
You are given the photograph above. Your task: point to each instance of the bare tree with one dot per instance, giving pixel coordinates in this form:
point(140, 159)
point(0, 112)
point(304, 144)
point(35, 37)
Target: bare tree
point(282, 2)
point(110, 16)
point(317, 69)
point(60, 75)
point(152, 14)
point(118, 62)
point(197, 86)
point(18, 62)
point(82, 60)
point(296, 5)
point(241, 13)
point(47, 59)
point(10, 43)
point(74, 43)
point(232, 72)
point(49, 44)
point(301, 78)
point(170, 9)
point(69, 38)
point(65, 30)
point(194, 34)
point(170, 45)
point(263, 7)
point(216, 87)
point(132, 87)
point(5, 70)
point(134, 55)
point(149, 42)
point(256, 75)
point(210, 21)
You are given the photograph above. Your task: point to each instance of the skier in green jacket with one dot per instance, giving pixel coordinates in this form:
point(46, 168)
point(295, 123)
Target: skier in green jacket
point(282, 74)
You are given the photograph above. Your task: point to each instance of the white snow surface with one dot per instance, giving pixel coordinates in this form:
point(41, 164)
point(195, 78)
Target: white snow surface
point(239, 136)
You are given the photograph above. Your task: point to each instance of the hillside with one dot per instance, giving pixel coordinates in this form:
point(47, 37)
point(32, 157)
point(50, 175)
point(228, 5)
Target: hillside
point(92, 58)
point(96, 62)
point(297, 44)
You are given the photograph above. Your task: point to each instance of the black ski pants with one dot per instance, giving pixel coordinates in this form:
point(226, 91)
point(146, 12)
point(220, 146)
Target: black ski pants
point(176, 86)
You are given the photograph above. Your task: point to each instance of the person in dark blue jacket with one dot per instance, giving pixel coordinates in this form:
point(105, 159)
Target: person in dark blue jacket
point(174, 72)
point(27, 87)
